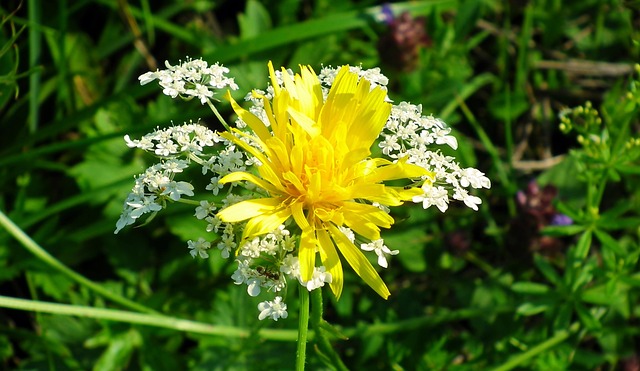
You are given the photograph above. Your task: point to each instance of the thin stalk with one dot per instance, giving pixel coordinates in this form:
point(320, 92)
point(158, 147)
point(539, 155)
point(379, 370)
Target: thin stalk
point(558, 338)
point(215, 112)
point(303, 328)
point(43, 255)
point(600, 191)
point(144, 319)
point(34, 57)
point(363, 331)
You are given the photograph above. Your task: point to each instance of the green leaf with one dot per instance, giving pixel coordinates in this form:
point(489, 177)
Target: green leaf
point(610, 243)
point(562, 318)
point(596, 295)
point(562, 230)
point(618, 223)
point(583, 278)
point(468, 13)
point(628, 168)
point(589, 321)
point(633, 280)
point(254, 21)
point(547, 270)
point(532, 288)
point(119, 351)
point(584, 245)
point(530, 309)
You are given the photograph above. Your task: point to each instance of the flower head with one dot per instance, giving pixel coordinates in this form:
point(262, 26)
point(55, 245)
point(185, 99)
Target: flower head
point(316, 167)
point(302, 153)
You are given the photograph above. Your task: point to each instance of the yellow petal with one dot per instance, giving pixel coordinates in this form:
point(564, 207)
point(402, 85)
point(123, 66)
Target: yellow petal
point(307, 254)
point(376, 193)
point(399, 170)
point(266, 223)
point(298, 216)
point(359, 262)
point(250, 119)
point(305, 122)
point(241, 175)
point(248, 209)
point(274, 79)
point(266, 170)
point(331, 261)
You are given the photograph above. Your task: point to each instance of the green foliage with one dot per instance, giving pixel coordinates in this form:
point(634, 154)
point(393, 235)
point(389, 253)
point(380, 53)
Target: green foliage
point(512, 286)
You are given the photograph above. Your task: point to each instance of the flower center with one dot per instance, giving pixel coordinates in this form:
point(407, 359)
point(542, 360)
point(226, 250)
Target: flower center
point(314, 178)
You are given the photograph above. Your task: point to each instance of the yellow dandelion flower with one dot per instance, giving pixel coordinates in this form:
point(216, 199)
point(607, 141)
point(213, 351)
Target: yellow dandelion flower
point(315, 165)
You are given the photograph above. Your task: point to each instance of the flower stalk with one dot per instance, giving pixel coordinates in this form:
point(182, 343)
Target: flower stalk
point(303, 328)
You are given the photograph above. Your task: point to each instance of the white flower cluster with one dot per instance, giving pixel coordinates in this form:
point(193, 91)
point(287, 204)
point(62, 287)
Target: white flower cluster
point(373, 75)
point(263, 263)
point(274, 309)
point(152, 189)
point(291, 267)
point(176, 140)
point(193, 78)
point(226, 161)
point(408, 133)
point(377, 246)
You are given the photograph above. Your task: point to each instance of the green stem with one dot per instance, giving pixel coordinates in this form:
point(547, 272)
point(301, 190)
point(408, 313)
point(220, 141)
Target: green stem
point(215, 112)
point(43, 255)
point(303, 328)
point(144, 319)
point(318, 309)
point(34, 58)
point(558, 338)
point(600, 191)
point(187, 201)
point(320, 334)
point(362, 331)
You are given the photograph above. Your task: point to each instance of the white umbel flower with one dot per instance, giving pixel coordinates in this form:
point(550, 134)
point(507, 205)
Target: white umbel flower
point(274, 309)
point(199, 248)
point(381, 250)
point(189, 79)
